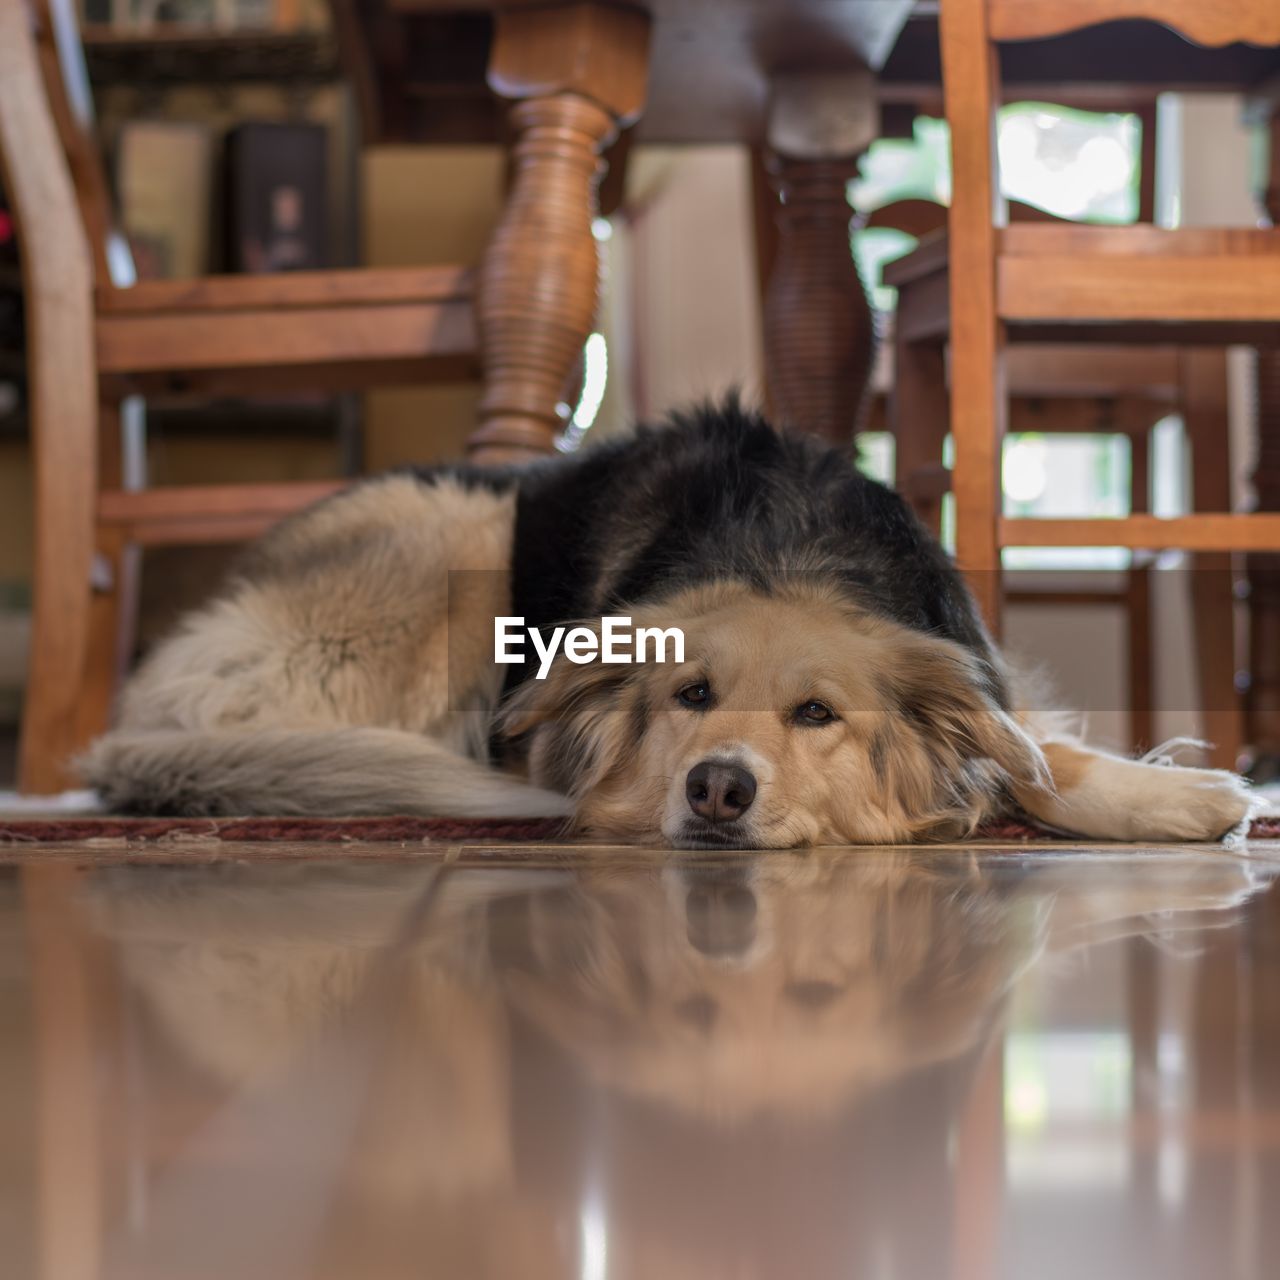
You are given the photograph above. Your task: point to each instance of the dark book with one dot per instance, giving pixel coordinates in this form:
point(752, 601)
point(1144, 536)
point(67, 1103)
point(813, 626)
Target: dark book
point(277, 193)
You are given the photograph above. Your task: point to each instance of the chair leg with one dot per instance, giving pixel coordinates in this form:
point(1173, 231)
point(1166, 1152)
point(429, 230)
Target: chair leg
point(1138, 610)
point(111, 621)
point(60, 627)
point(1263, 570)
point(1204, 407)
point(62, 383)
point(1138, 605)
point(978, 402)
point(113, 609)
point(918, 414)
point(577, 72)
point(978, 414)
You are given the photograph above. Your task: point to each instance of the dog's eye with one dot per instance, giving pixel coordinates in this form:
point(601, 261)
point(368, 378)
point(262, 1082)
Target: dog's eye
point(695, 695)
point(814, 712)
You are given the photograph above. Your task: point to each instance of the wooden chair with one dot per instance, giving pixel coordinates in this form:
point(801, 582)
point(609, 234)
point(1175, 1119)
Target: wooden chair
point(1029, 282)
point(1057, 389)
point(92, 343)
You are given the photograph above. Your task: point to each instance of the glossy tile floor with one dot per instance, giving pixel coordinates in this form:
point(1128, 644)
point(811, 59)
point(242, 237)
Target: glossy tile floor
point(609, 1065)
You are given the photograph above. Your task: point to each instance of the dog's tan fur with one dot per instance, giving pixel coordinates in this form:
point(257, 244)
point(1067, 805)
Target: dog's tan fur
point(352, 626)
point(349, 671)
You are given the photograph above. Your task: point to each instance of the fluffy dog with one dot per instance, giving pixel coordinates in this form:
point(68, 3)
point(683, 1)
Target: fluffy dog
point(837, 684)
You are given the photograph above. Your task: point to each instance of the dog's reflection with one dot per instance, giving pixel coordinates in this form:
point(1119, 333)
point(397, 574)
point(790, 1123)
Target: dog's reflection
point(794, 985)
point(669, 1023)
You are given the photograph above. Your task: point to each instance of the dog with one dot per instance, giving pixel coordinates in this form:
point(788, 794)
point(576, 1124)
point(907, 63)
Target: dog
point(837, 684)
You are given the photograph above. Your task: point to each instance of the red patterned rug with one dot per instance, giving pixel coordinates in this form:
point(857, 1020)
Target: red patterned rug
point(376, 830)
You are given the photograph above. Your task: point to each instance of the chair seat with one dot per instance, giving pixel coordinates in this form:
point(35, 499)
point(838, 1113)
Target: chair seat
point(1118, 284)
point(1201, 276)
point(190, 514)
point(322, 330)
point(363, 286)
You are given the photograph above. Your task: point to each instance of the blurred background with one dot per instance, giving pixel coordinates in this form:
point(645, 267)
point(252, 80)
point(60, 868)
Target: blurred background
point(231, 131)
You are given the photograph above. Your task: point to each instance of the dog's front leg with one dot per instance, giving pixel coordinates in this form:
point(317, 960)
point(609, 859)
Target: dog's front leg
point(1105, 796)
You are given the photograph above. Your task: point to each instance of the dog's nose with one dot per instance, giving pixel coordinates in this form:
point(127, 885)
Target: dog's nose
point(719, 792)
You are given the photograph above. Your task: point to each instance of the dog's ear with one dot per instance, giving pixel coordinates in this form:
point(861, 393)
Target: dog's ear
point(583, 717)
point(949, 696)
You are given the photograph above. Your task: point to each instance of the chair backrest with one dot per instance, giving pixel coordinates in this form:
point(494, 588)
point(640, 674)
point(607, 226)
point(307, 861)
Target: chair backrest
point(970, 30)
point(66, 84)
point(1207, 22)
point(37, 179)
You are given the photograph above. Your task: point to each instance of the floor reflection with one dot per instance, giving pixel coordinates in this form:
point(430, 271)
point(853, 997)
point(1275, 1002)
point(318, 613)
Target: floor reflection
point(844, 1063)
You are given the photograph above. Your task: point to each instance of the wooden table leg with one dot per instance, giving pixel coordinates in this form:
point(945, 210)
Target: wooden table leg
point(819, 330)
point(577, 73)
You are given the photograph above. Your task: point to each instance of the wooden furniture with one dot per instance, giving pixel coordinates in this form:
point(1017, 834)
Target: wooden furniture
point(1025, 282)
point(796, 70)
point(1058, 389)
point(1262, 696)
point(1083, 283)
point(576, 74)
point(419, 65)
point(92, 344)
point(1052, 390)
point(820, 334)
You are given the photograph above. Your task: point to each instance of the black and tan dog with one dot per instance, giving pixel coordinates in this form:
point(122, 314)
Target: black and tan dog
point(836, 686)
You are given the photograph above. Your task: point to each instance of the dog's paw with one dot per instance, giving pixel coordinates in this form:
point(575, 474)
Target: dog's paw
point(1171, 802)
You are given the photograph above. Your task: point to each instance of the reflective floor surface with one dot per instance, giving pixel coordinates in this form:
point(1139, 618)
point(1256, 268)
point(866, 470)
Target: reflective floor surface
point(615, 1065)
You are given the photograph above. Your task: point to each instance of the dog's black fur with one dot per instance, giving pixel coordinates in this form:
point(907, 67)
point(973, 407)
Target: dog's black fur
point(718, 493)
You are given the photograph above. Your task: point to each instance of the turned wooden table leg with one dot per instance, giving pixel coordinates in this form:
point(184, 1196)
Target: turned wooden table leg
point(577, 73)
point(819, 329)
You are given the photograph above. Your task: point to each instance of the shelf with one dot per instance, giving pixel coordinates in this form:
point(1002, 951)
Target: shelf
point(158, 57)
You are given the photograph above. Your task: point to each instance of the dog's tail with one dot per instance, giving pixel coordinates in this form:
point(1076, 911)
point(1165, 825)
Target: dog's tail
point(296, 772)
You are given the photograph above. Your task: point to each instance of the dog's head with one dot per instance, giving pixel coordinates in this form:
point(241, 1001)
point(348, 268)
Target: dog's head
point(794, 719)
